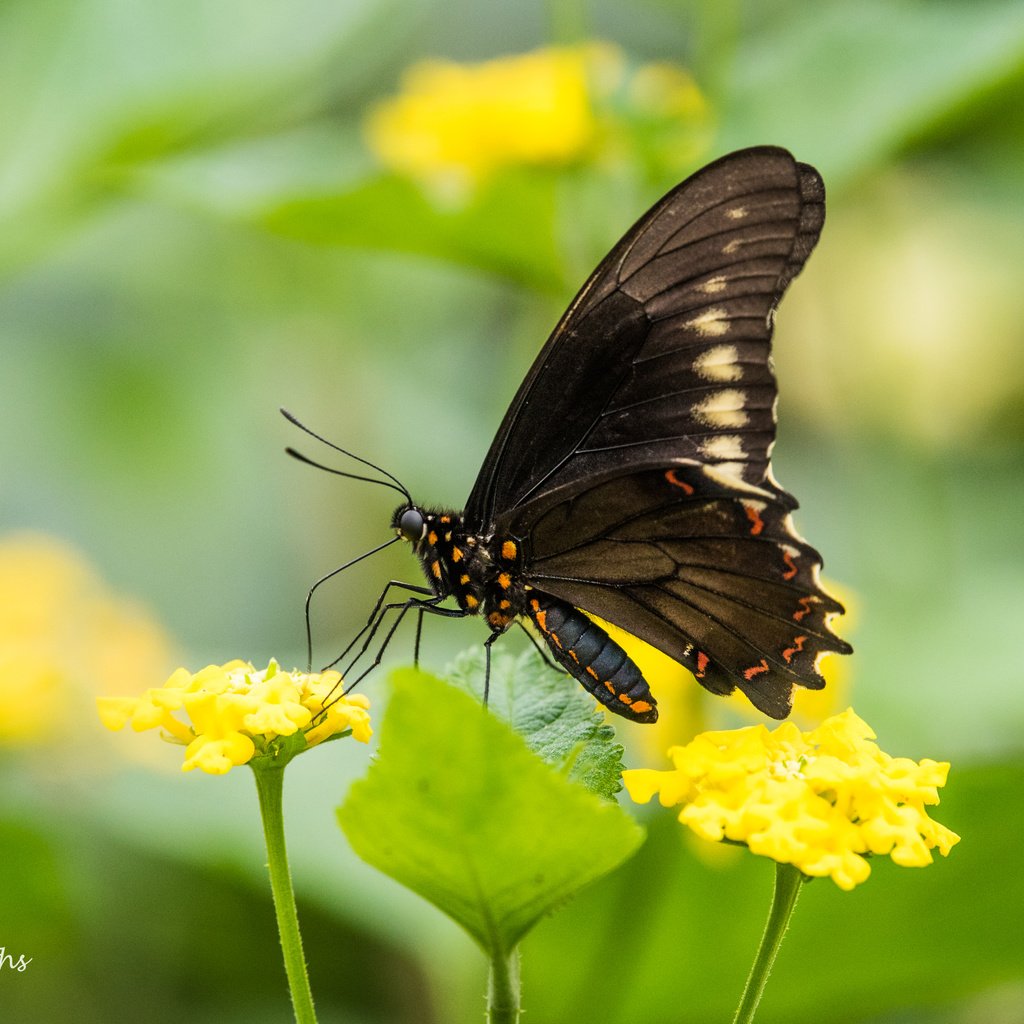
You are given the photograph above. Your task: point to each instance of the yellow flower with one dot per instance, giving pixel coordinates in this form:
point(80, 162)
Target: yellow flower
point(453, 125)
point(822, 800)
point(62, 631)
point(226, 714)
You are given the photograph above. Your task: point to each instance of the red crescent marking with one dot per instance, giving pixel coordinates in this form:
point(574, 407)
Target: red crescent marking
point(670, 476)
point(804, 609)
point(755, 670)
point(798, 646)
point(788, 559)
point(757, 523)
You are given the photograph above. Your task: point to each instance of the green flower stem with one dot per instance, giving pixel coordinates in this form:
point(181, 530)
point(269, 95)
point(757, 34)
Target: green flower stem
point(503, 989)
point(269, 785)
point(788, 882)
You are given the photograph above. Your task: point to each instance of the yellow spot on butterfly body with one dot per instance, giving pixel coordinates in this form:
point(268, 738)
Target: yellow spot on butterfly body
point(431, 538)
point(504, 604)
point(471, 601)
point(504, 580)
point(718, 364)
point(508, 550)
point(446, 519)
point(435, 568)
point(448, 536)
point(608, 686)
point(711, 323)
point(591, 672)
point(456, 554)
point(722, 409)
point(464, 578)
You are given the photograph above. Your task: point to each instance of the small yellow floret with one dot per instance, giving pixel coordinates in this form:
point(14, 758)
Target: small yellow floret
point(821, 800)
point(233, 712)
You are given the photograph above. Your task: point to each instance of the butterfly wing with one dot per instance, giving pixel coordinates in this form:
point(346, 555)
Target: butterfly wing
point(664, 353)
point(716, 579)
point(634, 459)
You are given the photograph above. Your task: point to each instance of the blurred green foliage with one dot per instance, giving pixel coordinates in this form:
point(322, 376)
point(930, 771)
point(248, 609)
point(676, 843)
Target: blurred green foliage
point(195, 234)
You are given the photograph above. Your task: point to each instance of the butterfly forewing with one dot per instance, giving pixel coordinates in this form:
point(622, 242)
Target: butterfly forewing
point(664, 352)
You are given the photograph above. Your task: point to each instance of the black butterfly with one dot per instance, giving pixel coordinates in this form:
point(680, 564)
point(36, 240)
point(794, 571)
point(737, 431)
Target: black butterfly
point(630, 478)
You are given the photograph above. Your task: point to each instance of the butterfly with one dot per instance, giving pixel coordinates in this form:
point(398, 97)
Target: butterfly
point(630, 479)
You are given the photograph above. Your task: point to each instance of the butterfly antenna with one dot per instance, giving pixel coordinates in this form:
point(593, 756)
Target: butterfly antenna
point(395, 485)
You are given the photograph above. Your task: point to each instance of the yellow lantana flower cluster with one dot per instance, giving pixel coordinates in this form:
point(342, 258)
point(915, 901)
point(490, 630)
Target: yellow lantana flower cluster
point(63, 633)
point(236, 712)
point(453, 125)
point(822, 800)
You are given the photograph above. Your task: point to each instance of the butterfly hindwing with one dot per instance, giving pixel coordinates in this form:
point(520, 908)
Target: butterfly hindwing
point(718, 581)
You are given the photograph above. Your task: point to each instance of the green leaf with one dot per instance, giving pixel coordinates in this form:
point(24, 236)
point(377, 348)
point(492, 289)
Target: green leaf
point(556, 717)
point(461, 811)
point(508, 228)
point(845, 87)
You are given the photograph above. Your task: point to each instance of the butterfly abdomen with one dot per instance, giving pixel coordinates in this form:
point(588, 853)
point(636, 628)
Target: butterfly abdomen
point(591, 656)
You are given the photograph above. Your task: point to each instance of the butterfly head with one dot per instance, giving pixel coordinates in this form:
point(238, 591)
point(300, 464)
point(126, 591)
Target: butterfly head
point(409, 523)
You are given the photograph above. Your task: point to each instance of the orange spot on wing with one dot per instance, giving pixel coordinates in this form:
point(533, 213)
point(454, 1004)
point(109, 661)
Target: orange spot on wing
point(702, 664)
point(625, 698)
point(642, 706)
point(788, 559)
point(456, 554)
point(508, 550)
point(504, 604)
point(464, 578)
point(798, 646)
point(670, 476)
point(504, 581)
point(542, 619)
point(804, 609)
point(755, 670)
point(471, 601)
point(756, 522)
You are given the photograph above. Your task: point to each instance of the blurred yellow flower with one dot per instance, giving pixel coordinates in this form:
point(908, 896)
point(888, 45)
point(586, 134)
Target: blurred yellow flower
point(453, 125)
point(62, 631)
point(235, 712)
point(822, 800)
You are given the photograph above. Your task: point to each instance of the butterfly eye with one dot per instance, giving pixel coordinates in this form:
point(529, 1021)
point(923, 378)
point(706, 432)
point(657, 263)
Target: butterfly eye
point(412, 525)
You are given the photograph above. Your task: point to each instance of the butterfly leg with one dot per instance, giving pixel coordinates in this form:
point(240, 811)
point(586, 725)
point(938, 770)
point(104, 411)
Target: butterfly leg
point(396, 584)
point(487, 662)
point(419, 635)
point(423, 606)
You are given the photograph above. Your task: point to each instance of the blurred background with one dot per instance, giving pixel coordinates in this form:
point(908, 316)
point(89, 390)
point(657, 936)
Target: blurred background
point(211, 210)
